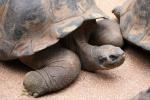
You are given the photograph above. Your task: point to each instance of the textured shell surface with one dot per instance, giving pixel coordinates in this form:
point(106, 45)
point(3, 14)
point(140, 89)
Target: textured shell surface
point(28, 26)
point(135, 24)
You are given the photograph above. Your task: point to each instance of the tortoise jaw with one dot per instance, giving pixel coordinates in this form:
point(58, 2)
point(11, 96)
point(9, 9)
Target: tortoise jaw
point(114, 64)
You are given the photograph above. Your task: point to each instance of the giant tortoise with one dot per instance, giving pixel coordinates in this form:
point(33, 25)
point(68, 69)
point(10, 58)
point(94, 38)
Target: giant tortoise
point(134, 17)
point(30, 31)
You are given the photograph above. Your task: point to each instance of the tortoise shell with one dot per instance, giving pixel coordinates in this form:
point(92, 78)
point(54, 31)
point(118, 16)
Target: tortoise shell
point(28, 26)
point(135, 22)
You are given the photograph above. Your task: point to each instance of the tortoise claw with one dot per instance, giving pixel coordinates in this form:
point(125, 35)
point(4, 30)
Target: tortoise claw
point(34, 84)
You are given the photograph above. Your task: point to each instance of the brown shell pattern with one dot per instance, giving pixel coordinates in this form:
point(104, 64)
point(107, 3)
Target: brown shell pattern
point(28, 26)
point(135, 23)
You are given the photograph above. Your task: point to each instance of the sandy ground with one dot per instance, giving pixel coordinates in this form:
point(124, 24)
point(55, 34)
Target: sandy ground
point(121, 83)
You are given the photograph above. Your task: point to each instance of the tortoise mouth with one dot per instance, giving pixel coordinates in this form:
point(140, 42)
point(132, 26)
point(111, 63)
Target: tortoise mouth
point(113, 64)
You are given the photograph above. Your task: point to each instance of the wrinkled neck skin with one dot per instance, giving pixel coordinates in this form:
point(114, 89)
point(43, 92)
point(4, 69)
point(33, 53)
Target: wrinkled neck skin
point(85, 50)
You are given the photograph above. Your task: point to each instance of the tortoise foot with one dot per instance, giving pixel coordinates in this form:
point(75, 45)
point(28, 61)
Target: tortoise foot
point(35, 84)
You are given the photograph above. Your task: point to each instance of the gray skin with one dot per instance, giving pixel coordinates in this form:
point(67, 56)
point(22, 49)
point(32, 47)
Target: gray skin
point(56, 67)
point(29, 32)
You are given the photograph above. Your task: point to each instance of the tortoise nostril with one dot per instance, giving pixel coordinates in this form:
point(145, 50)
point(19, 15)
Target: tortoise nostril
point(102, 60)
point(113, 57)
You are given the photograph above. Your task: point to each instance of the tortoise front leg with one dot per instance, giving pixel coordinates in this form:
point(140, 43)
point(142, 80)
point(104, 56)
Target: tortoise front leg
point(60, 67)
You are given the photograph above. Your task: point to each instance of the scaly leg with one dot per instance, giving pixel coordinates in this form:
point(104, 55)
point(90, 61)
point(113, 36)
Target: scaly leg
point(55, 68)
